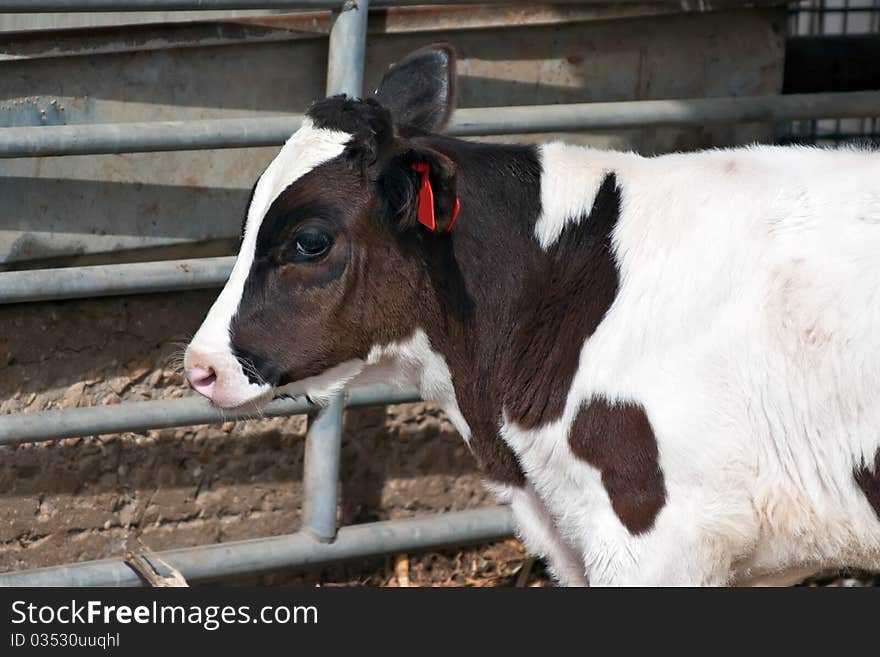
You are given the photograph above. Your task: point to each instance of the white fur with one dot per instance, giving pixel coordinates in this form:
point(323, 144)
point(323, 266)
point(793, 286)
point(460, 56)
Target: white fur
point(414, 362)
point(308, 148)
point(747, 324)
point(536, 529)
point(411, 362)
point(322, 387)
point(569, 192)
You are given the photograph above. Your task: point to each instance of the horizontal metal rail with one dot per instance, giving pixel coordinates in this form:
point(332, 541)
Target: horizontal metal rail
point(43, 6)
point(274, 131)
point(162, 414)
point(656, 113)
point(241, 558)
point(146, 137)
point(113, 280)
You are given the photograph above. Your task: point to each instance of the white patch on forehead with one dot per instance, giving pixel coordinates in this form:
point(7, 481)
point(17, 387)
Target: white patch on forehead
point(308, 148)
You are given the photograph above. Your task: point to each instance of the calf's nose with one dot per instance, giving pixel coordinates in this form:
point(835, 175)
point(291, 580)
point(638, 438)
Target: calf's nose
point(202, 379)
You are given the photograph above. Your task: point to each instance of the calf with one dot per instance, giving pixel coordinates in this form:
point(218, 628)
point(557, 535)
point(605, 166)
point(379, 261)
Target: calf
point(669, 367)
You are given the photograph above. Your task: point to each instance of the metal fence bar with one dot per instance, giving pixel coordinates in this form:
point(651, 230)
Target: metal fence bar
point(243, 132)
point(161, 414)
point(112, 280)
point(321, 471)
point(43, 6)
point(147, 137)
point(345, 74)
point(685, 112)
point(346, 49)
point(240, 558)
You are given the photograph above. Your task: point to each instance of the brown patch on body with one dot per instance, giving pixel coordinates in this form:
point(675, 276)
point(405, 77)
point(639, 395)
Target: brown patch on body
point(869, 482)
point(474, 276)
point(566, 294)
point(511, 318)
point(618, 440)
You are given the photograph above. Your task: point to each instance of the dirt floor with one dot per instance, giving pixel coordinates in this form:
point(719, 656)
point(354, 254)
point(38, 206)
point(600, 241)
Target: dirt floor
point(503, 564)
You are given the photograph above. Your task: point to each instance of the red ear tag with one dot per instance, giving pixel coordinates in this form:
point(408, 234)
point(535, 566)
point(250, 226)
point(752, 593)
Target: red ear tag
point(426, 197)
point(454, 215)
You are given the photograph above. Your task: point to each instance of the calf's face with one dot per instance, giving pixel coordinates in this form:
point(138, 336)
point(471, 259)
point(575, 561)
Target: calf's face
point(324, 275)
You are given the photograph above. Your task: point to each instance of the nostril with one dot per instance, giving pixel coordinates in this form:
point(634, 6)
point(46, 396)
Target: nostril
point(207, 379)
point(202, 379)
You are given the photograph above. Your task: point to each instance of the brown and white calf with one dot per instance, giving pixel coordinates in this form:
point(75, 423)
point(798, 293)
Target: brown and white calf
point(669, 367)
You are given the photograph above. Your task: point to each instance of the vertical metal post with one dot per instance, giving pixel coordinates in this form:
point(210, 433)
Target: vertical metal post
point(348, 43)
point(345, 74)
point(321, 471)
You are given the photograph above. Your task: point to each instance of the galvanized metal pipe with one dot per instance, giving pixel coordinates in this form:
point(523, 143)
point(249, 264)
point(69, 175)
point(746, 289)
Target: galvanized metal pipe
point(110, 280)
point(347, 49)
point(321, 471)
point(160, 414)
point(345, 75)
point(238, 133)
point(147, 137)
point(43, 6)
point(211, 562)
point(694, 111)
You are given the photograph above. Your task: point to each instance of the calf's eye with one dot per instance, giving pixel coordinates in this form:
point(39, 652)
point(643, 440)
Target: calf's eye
point(308, 245)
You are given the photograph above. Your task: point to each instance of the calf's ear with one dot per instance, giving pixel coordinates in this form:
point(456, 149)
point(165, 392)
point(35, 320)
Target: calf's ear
point(419, 90)
point(418, 189)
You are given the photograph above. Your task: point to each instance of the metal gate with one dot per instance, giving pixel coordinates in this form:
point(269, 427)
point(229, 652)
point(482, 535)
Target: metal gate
point(827, 20)
point(319, 540)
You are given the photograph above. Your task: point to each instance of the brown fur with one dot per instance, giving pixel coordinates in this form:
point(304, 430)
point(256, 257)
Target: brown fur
point(565, 295)
point(512, 318)
point(618, 440)
point(869, 482)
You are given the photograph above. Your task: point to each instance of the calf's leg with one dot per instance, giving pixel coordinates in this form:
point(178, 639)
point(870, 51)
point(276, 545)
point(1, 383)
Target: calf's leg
point(535, 528)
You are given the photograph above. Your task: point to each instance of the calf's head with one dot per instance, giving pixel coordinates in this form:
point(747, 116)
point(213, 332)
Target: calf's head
point(327, 270)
